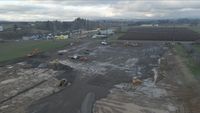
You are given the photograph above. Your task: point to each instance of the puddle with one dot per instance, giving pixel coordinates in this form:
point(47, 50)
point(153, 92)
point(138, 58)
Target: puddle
point(155, 70)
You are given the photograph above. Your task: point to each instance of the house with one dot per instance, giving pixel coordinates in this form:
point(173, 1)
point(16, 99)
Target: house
point(109, 32)
point(28, 37)
point(99, 36)
point(98, 29)
point(1, 28)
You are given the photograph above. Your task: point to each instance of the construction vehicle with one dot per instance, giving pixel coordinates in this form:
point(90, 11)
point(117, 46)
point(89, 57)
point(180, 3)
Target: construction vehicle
point(56, 63)
point(136, 81)
point(31, 54)
point(62, 82)
point(103, 43)
point(76, 56)
point(134, 45)
point(79, 40)
point(83, 58)
point(113, 45)
point(126, 44)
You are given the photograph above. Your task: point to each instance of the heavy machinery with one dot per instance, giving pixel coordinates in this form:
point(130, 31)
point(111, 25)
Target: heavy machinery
point(62, 82)
point(103, 43)
point(113, 45)
point(76, 56)
point(79, 40)
point(56, 63)
point(126, 43)
point(136, 81)
point(31, 54)
point(83, 58)
point(134, 45)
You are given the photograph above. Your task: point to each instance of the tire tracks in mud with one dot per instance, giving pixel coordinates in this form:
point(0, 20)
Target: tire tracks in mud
point(23, 91)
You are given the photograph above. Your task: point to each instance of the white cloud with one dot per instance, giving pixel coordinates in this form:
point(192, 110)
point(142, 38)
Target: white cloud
point(95, 9)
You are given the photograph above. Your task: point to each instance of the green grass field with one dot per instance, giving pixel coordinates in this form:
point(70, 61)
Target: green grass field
point(194, 68)
point(197, 47)
point(179, 48)
point(14, 50)
point(116, 36)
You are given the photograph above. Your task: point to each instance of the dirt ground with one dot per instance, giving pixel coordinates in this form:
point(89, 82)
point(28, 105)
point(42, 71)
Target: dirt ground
point(103, 83)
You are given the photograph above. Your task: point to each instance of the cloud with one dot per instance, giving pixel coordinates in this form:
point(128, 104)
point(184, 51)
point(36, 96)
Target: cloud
point(95, 9)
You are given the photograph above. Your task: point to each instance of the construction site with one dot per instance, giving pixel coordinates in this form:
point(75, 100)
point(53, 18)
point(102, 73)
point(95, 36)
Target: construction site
point(92, 76)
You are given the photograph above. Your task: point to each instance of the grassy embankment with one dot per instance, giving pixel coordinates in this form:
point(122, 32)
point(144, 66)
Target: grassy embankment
point(191, 63)
point(14, 50)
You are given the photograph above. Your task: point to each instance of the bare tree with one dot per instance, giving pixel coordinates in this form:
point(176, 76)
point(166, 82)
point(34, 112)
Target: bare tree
point(190, 51)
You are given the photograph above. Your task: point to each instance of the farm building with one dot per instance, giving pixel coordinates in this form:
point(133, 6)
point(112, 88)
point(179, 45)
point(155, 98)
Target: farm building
point(99, 36)
point(1, 28)
point(109, 31)
point(146, 25)
point(61, 37)
point(28, 37)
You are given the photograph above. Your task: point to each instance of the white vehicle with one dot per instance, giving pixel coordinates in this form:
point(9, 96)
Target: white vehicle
point(103, 43)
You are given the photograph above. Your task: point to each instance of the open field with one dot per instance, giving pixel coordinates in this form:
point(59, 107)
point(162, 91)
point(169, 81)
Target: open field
point(156, 33)
point(115, 37)
point(20, 49)
point(103, 83)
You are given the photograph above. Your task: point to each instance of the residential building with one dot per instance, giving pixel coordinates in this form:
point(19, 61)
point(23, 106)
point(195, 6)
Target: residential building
point(1, 28)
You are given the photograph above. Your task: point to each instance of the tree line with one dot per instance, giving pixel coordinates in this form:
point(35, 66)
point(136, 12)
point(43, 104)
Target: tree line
point(78, 23)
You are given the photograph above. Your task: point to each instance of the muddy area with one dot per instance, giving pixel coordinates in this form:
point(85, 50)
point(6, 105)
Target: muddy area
point(102, 84)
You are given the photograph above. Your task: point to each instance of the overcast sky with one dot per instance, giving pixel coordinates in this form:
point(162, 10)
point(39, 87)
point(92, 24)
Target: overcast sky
point(68, 10)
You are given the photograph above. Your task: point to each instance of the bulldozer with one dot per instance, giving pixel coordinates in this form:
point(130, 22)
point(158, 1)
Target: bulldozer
point(113, 45)
point(62, 82)
point(126, 44)
point(136, 81)
point(134, 45)
point(56, 63)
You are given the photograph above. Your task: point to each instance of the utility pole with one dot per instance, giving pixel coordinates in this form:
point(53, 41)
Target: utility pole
point(173, 34)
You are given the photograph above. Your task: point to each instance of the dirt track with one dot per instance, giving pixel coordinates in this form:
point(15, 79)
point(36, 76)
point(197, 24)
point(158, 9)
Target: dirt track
point(106, 77)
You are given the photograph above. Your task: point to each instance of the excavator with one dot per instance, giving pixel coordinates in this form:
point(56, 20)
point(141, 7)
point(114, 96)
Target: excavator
point(136, 81)
point(83, 58)
point(31, 54)
point(62, 82)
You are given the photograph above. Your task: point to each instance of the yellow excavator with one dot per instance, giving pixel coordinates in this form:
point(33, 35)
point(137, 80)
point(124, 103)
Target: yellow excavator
point(134, 45)
point(136, 81)
point(126, 44)
point(62, 82)
point(56, 63)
